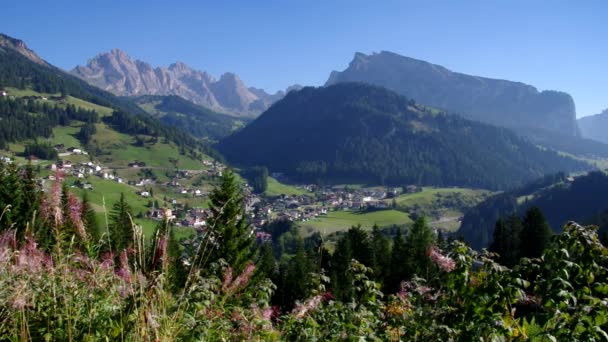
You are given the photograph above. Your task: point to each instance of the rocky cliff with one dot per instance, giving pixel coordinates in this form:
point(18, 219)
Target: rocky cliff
point(499, 102)
point(118, 73)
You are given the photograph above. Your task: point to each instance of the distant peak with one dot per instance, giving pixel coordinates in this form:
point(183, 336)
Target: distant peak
point(20, 46)
point(179, 66)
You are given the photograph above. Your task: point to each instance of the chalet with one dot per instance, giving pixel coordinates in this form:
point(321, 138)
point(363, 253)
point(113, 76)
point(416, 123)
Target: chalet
point(59, 147)
point(32, 158)
point(144, 193)
point(137, 164)
point(87, 186)
point(198, 193)
point(74, 150)
point(3, 93)
point(65, 164)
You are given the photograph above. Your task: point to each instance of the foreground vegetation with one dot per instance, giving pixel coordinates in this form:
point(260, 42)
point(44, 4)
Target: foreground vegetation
point(63, 279)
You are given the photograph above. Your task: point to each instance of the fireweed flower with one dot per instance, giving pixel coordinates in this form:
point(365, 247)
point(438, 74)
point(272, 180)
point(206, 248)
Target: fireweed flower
point(243, 278)
point(311, 304)
point(75, 212)
point(447, 264)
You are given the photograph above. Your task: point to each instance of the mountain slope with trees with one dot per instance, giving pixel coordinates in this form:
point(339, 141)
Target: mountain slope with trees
point(560, 198)
point(353, 132)
point(19, 69)
point(499, 102)
point(199, 121)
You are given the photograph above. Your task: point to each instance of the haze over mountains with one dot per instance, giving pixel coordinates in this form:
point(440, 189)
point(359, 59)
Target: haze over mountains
point(118, 73)
point(354, 132)
point(498, 102)
point(595, 126)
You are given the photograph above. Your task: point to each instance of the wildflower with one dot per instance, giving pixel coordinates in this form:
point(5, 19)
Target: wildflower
point(75, 213)
point(243, 278)
point(444, 262)
point(303, 308)
point(19, 303)
point(227, 278)
point(124, 271)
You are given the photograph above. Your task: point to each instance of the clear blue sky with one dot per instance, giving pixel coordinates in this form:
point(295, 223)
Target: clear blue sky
point(551, 44)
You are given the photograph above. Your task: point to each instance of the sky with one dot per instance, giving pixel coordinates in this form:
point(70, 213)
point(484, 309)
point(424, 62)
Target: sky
point(550, 44)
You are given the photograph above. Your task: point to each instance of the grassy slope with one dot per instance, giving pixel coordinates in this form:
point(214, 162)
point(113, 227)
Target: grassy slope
point(343, 220)
point(427, 201)
point(120, 152)
point(275, 189)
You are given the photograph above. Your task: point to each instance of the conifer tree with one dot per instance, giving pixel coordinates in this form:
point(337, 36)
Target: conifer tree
point(232, 236)
point(419, 240)
point(499, 244)
point(381, 252)
point(399, 269)
point(535, 234)
point(121, 226)
point(89, 219)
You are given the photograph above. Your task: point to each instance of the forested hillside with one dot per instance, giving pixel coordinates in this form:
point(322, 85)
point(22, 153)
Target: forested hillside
point(561, 199)
point(19, 72)
point(199, 121)
point(361, 133)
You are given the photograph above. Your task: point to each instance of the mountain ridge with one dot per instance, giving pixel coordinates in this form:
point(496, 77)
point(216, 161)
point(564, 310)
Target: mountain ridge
point(117, 72)
point(498, 102)
point(595, 126)
point(355, 132)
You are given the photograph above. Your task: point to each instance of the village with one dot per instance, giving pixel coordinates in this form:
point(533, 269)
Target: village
point(313, 202)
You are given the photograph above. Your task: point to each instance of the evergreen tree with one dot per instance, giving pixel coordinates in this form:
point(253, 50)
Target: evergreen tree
point(232, 236)
point(535, 234)
point(399, 269)
point(341, 277)
point(381, 251)
point(266, 265)
point(121, 226)
point(500, 243)
point(90, 219)
point(419, 240)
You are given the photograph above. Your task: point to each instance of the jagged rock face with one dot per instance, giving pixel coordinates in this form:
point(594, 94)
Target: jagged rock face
point(116, 72)
point(19, 46)
point(595, 126)
point(499, 102)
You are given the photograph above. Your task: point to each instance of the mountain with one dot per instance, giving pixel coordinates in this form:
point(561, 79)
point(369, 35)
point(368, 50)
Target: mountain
point(46, 102)
point(199, 121)
point(116, 72)
point(498, 102)
point(353, 132)
point(595, 126)
point(561, 199)
point(19, 46)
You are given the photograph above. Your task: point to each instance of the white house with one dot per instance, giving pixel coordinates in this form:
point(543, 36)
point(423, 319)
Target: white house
point(3, 93)
point(144, 194)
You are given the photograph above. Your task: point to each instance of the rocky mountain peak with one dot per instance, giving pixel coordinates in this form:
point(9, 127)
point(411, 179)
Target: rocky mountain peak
point(498, 102)
point(20, 46)
point(115, 71)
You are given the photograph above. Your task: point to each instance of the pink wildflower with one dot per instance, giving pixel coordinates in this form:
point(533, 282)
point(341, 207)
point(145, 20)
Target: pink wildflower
point(227, 278)
point(444, 262)
point(19, 303)
point(75, 212)
point(311, 304)
point(124, 271)
point(243, 278)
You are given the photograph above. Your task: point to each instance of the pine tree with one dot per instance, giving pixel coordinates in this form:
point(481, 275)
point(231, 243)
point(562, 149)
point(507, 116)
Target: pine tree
point(121, 226)
point(500, 243)
point(419, 240)
point(399, 269)
point(341, 277)
point(535, 235)
point(266, 265)
point(512, 253)
point(90, 219)
point(381, 252)
point(232, 236)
